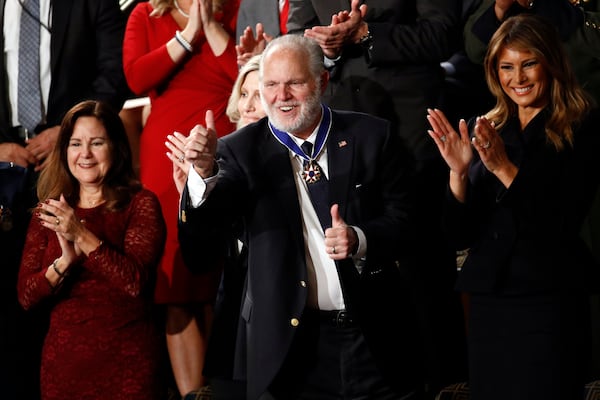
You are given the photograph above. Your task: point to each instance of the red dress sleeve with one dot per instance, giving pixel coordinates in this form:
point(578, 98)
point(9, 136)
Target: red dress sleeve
point(146, 61)
point(32, 285)
point(131, 269)
point(133, 242)
point(145, 67)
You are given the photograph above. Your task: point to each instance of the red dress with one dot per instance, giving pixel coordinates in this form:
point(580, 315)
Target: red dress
point(180, 96)
point(103, 341)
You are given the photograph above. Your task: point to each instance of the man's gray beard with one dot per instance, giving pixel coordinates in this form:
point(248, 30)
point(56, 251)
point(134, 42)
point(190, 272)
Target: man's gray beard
point(309, 112)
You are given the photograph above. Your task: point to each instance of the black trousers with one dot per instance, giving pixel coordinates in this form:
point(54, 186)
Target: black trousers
point(228, 389)
point(330, 359)
point(528, 347)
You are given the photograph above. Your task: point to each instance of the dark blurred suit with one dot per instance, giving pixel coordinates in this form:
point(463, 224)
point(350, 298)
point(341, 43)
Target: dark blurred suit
point(400, 77)
point(252, 12)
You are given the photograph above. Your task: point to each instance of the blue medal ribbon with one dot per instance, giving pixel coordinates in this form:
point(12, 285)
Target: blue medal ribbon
point(322, 134)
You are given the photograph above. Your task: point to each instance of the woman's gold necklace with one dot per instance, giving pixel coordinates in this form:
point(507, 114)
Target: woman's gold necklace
point(94, 203)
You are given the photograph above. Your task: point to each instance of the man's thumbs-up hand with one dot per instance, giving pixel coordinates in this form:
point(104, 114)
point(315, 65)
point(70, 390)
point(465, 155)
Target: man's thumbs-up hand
point(340, 240)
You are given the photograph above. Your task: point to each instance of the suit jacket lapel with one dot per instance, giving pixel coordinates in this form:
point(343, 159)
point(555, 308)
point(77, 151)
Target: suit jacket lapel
point(324, 9)
point(61, 15)
point(340, 154)
point(340, 151)
point(278, 170)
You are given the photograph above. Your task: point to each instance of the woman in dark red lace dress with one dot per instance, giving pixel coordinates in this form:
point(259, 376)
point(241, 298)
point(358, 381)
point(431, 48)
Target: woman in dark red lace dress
point(91, 254)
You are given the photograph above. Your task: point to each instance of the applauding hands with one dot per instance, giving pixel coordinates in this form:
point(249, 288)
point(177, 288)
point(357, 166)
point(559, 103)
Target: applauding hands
point(456, 149)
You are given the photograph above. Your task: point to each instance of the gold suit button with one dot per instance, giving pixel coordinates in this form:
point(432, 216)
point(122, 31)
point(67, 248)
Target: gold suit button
point(294, 322)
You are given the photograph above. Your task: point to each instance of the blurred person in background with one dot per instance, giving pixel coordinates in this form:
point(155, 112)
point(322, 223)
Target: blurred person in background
point(182, 54)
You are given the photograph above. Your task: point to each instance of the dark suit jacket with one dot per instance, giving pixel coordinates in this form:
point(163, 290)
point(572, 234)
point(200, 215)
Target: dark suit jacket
point(371, 180)
point(400, 76)
point(85, 56)
point(253, 11)
point(525, 239)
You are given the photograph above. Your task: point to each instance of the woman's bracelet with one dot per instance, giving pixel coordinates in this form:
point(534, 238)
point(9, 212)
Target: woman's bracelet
point(184, 43)
point(58, 272)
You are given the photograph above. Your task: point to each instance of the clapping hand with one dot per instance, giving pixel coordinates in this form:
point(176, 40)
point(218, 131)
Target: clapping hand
point(176, 144)
point(250, 45)
point(343, 30)
point(192, 29)
point(59, 216)
point(457, 151)
point(454, 147)
point(206, 12)
point(201, 147)
point(492, 152)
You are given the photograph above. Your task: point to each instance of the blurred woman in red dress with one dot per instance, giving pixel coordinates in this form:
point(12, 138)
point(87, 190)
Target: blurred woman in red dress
point(182, 54)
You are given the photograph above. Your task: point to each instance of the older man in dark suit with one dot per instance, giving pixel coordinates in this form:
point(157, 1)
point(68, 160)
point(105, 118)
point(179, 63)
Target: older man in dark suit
point(325, 310)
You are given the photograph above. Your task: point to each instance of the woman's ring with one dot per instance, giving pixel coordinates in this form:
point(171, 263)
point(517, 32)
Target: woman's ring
point(57, 221)
point(443, 138)
point(486, 145)
point(181, 158)
point(333, 250)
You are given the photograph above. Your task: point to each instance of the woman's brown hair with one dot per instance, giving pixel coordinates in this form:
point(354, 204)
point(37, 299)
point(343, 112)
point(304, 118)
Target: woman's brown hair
point(567, 102)
point(118, 185)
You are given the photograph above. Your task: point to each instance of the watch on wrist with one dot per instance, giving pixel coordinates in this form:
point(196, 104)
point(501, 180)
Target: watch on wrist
point(366, 40)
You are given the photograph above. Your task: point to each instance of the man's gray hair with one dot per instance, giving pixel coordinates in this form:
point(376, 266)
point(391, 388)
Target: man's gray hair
point(313, 52)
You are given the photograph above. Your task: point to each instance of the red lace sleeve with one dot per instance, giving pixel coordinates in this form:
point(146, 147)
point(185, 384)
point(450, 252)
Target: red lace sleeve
point(32, 285)
point(130, 269)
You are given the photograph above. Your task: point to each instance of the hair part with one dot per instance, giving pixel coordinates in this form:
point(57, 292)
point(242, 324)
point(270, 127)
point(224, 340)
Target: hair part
point(120, 182)
point(567, 102)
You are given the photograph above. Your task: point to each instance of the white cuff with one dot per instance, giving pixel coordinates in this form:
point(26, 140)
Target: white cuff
point(199, 188)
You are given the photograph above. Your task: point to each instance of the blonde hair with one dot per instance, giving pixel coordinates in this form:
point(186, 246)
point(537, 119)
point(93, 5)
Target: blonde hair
point(232, 104)
point(567, 101)
point(162, 7)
